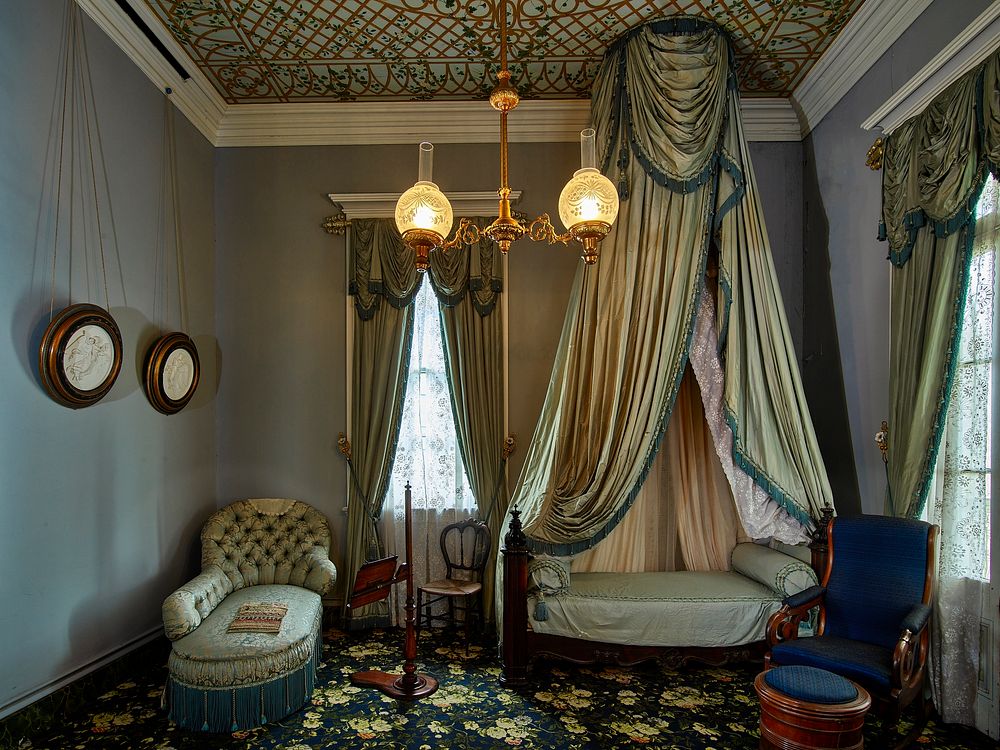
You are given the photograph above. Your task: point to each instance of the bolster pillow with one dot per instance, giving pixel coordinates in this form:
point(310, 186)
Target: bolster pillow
point(549, 574)
point(783, 574)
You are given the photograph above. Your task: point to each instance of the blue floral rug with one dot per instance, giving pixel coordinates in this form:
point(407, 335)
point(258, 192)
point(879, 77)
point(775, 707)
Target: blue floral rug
point(566, 707)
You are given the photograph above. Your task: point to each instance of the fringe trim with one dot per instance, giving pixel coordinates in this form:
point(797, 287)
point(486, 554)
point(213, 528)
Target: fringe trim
point(561, 550)
point(944, 394)
point(225, 710)
point(917, 218)
point(761, 478)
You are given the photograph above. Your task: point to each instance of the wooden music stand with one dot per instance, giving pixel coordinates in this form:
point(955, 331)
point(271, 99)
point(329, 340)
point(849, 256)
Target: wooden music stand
point(374, 582)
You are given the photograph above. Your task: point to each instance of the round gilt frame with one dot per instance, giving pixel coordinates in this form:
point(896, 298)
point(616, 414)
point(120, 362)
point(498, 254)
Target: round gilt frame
point(155, 372)
point(68, 357)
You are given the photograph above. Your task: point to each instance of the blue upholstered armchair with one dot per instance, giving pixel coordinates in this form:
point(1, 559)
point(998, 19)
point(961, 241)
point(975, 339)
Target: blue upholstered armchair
point(874, 604)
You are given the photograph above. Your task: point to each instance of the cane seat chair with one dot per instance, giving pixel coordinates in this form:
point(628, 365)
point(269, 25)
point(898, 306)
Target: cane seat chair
point(465, 547)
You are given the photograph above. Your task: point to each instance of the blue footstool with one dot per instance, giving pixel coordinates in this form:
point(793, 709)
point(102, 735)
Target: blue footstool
point(807, 708)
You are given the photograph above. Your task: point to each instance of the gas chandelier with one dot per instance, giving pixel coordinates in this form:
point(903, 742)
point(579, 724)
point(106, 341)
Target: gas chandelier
point(588, 204)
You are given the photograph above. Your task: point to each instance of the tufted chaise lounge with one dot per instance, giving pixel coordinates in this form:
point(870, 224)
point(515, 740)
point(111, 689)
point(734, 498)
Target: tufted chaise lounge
point(263, 551)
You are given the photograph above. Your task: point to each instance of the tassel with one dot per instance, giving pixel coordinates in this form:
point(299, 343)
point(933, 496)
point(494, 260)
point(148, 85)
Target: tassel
point(541, 611)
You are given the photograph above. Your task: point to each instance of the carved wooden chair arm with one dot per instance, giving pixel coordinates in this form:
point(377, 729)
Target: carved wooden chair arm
point(784, 624)
point(910, 654)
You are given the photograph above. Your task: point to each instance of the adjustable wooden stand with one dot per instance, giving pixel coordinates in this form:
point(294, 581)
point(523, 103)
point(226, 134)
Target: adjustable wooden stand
point(374, 582)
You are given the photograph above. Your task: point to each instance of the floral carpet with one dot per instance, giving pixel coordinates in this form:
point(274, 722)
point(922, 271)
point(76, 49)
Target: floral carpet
point(566, 707)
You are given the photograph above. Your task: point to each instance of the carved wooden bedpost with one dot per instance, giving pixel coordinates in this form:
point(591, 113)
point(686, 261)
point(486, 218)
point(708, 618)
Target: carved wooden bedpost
point(514, 653)
point(818, 544)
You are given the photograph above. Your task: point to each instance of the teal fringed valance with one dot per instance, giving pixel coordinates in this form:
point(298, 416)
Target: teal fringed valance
point(382, 268)
point(935, 163)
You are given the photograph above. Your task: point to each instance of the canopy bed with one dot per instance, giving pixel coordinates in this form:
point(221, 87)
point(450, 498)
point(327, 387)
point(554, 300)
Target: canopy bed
point(675, 430)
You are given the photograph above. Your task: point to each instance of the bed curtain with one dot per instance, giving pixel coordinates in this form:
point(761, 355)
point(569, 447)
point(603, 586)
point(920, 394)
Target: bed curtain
point(666, 108)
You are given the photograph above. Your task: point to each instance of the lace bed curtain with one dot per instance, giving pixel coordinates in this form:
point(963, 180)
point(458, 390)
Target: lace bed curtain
point(427, 456)
point(960, 502)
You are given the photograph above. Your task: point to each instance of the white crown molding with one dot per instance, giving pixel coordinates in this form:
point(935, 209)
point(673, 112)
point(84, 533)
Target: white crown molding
point(383, 205)
point(360, 123)
point(195, 98)
point(770, 119)
point(965, 52)
point(534, 121)
point(865, 38)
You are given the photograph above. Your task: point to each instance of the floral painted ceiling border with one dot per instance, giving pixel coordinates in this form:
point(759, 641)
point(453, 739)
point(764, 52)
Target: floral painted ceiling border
point(258, 51)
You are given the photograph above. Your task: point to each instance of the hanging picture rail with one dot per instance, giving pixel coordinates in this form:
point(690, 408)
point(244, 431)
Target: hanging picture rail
point(80, 354)
point(171, 368)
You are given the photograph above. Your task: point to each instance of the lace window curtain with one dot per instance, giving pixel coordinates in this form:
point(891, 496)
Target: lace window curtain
point(960, 502)
point(427, 456)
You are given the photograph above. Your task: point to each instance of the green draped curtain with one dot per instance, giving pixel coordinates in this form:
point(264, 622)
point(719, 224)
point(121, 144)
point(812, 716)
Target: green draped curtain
point(384, 282)
point(468, 282)
point(468, 285)
point(666, 108)
point(935, 165)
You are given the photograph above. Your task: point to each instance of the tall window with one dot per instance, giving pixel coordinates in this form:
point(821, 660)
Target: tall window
point(427, 455)
point(962, 503)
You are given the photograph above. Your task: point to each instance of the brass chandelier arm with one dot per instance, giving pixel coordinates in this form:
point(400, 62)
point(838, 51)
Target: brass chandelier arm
point(540, 229)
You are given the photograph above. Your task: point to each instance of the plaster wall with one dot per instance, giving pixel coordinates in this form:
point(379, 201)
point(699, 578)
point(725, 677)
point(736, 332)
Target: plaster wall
point(100, 508)
point(846, 276)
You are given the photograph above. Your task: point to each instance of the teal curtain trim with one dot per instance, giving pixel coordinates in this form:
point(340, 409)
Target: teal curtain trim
point(762, 480)
point(916, 218)
point(561, 550)
point(740, 187)
point(475, 285)
point(226, 710)
point(377, 289)
point(944, 395)
point(727, 295)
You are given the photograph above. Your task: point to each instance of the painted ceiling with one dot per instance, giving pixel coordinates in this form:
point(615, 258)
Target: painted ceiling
point(257, 51)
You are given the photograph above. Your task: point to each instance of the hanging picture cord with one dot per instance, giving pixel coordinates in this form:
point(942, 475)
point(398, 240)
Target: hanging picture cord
point(76, 72)
point(175, 205)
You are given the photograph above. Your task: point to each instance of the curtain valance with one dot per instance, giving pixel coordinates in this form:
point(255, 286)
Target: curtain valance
point(935, 163)
point(666, 107)
point(674, 138)
point(382, 268)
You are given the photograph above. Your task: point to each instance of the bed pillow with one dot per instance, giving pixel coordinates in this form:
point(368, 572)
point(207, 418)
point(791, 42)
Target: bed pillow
point(548, 574)
point(783, 574)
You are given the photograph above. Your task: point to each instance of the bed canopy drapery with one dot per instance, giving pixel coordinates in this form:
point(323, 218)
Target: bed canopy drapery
point(666, 108)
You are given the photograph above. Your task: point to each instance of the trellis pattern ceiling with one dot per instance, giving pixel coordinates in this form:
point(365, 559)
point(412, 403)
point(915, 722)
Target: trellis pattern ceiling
point(256, 51)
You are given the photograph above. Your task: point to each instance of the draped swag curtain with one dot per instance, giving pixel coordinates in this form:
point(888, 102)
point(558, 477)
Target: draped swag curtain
point(935, 165)
point(467, 282)
point(666, 105)
point(934, 170)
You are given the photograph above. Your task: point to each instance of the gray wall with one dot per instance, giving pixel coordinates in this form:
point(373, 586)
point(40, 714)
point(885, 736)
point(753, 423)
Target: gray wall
point(281, 290)
point(100, 507)
point(846, 276)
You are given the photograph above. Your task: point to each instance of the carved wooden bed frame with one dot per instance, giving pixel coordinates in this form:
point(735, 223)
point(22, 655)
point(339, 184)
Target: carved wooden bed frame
point(522, 645)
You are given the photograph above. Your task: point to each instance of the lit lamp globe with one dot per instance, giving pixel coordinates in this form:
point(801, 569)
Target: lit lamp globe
point(588, 205)
point(423, 213)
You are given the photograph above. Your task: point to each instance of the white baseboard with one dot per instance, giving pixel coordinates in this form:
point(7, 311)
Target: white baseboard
point(37, 694)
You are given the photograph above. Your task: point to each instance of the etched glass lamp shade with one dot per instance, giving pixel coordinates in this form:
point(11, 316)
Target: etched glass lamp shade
point(588, 205)
point(423, 213)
